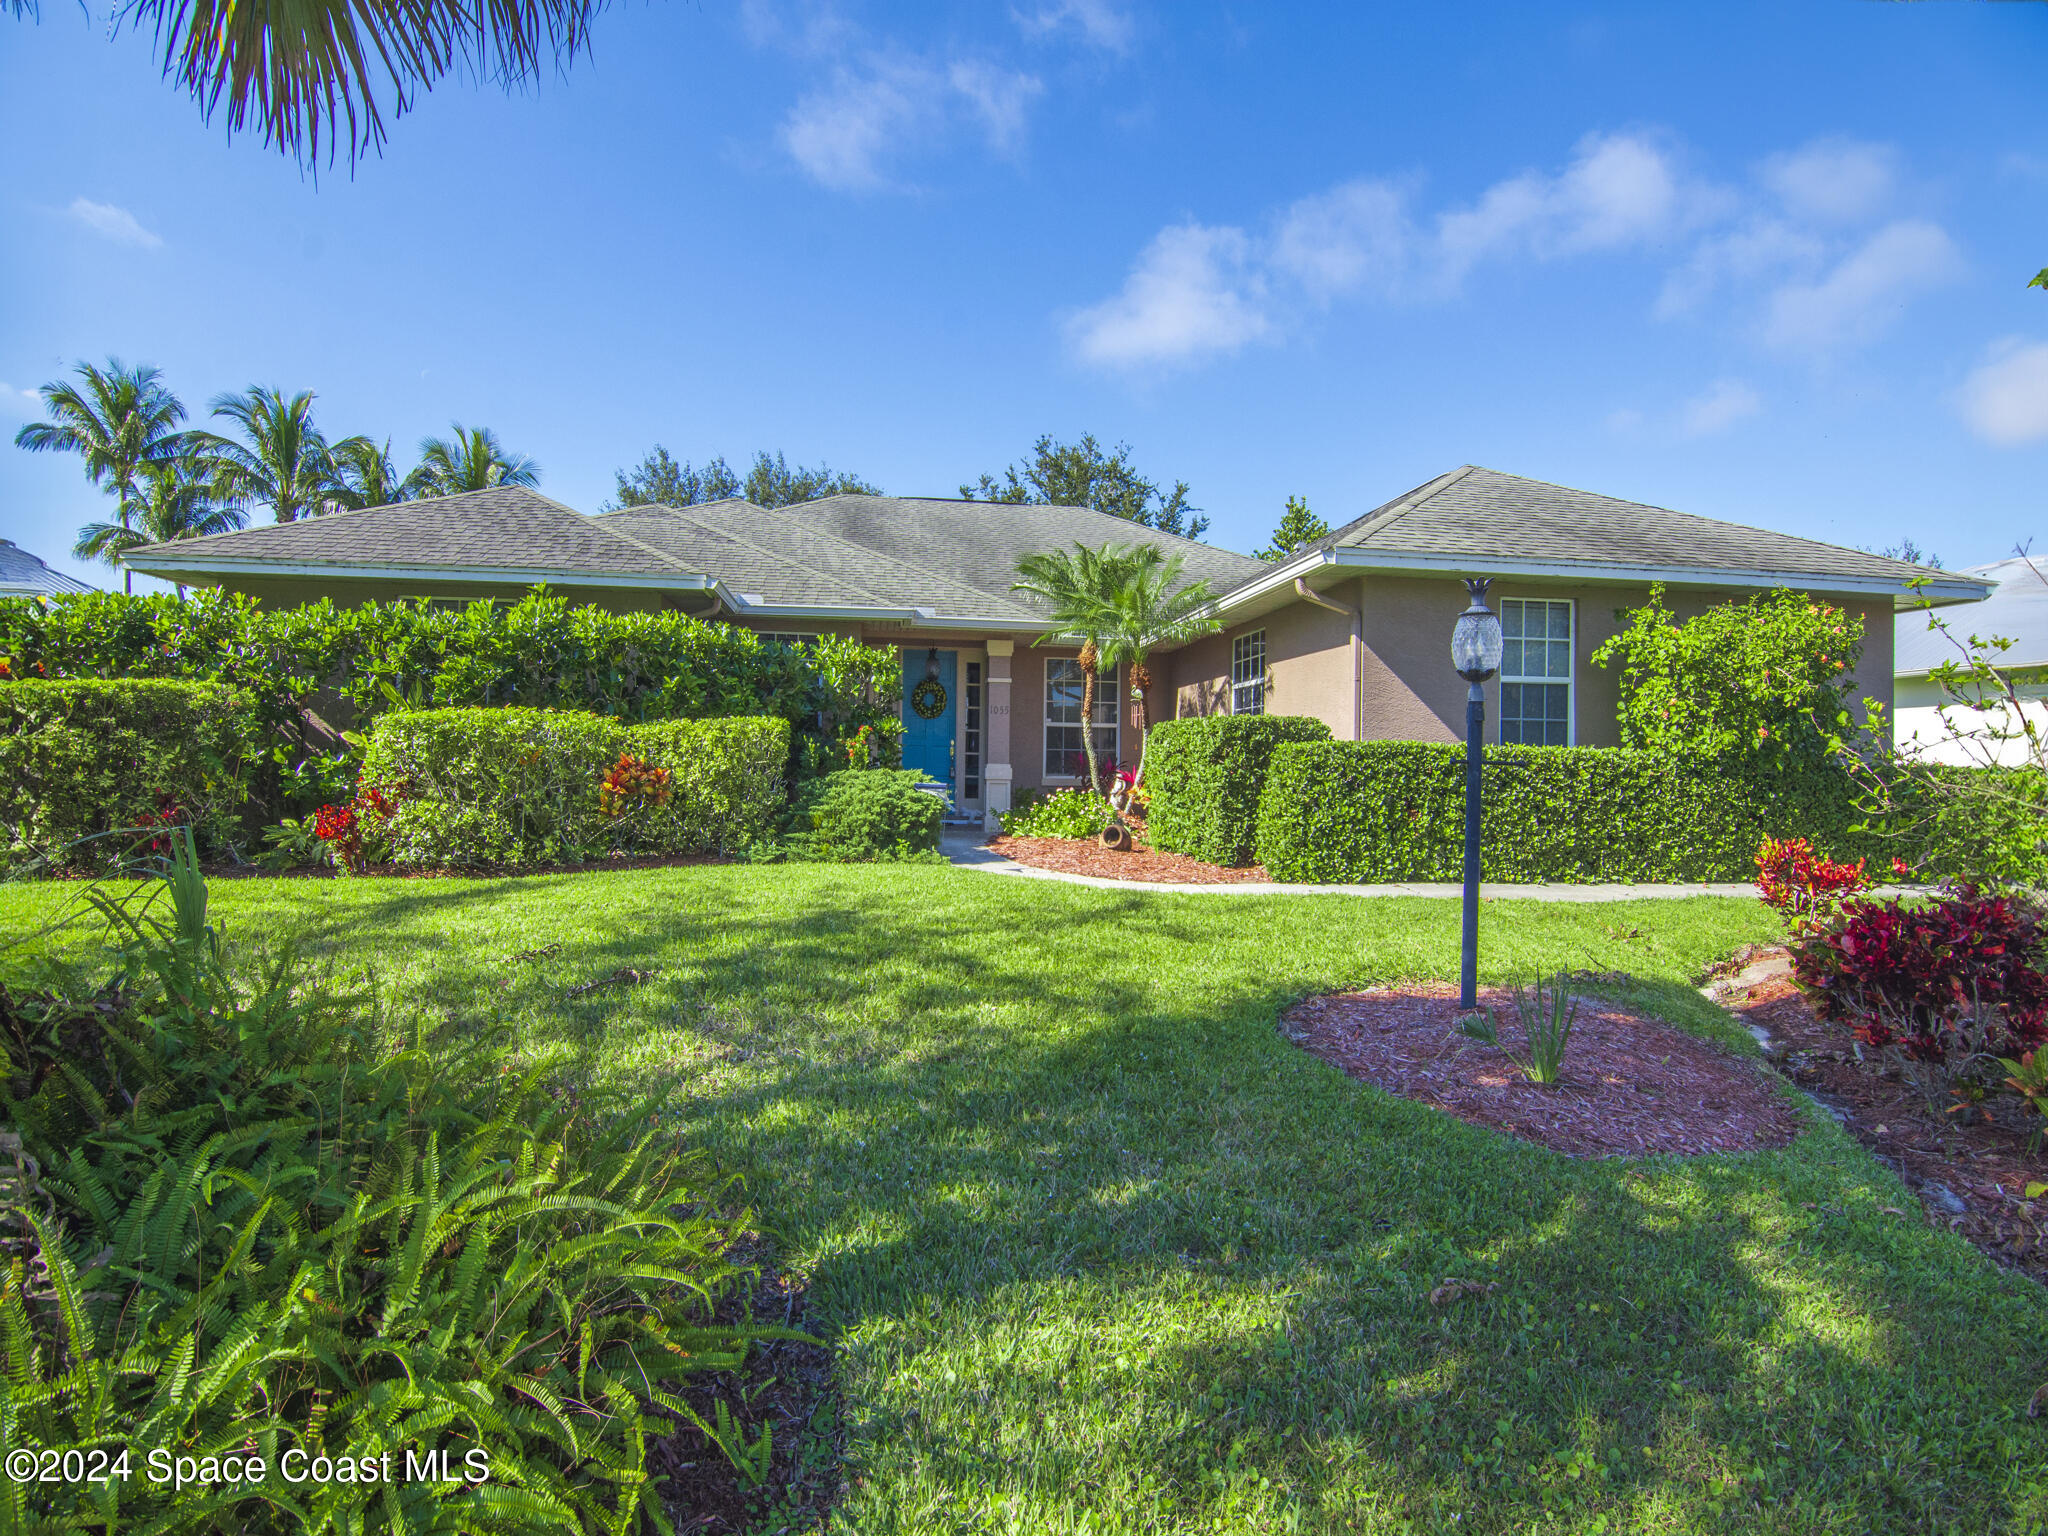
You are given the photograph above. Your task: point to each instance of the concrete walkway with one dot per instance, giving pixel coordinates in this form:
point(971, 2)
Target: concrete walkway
point(967, 849)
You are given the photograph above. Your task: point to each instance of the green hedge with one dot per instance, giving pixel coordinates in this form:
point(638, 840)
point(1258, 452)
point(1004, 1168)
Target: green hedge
point(858, 815)
point(350, 665)
point(511, 787)
point(1386, 810)
point(81, 760)
point(1205, 778)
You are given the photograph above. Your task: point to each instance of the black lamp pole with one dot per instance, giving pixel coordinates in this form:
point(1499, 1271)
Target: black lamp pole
point(1475, 651)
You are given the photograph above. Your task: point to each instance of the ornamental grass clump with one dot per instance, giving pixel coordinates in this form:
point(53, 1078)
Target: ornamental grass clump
point(1546, 1019)
point(250, 1221)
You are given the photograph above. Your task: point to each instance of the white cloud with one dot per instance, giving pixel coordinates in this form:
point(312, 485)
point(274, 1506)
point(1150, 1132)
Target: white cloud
point(15, 401)
point(1355, 236)
point(1191, 294)
point(1859, 297)
point(1621, 189)
point(1758, 250)
point(113, 222)
point(1099, 22)
point(2005, 400)
point(1717, 409)
point(1833, 181)
point(1001, 98)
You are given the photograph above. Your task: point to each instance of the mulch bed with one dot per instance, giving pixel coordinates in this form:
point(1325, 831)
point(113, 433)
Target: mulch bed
point(787, 1387)
point(1087, 856)
point(1633, 1086)
point(1970, 1174)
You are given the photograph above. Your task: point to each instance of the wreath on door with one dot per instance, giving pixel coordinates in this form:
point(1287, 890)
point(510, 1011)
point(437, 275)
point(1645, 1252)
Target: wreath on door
point(928, 699)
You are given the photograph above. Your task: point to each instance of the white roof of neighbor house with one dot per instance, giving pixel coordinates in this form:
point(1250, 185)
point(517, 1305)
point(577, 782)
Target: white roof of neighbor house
point(23, 575)
point(2016, 610)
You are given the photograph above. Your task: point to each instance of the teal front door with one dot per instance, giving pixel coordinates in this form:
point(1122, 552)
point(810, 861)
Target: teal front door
point(929, 713)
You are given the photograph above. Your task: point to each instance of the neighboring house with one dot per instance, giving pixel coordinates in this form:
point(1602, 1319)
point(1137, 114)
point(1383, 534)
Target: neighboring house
point(23, 575)
point(2016, 611)
point(1354, 630)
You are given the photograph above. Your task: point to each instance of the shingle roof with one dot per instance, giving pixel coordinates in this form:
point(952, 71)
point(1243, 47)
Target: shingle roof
point(23, 575)
point(505, 528)
point(1483, 515)
point(688, 536)
point(2016, 611)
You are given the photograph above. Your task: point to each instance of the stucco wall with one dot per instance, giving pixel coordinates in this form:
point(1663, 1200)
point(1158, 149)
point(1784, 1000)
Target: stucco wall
point(1410, 692)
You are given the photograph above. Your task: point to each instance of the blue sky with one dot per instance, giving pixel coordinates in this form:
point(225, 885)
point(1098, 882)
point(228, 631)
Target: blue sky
point(1761, 262)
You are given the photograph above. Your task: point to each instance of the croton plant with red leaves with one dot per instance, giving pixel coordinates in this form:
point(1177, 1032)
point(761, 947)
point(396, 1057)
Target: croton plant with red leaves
point(344, 827)
point(1796, 881)
point(1926, 978)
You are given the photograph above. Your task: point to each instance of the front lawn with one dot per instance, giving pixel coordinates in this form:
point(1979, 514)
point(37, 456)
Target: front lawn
point(1102, 1251)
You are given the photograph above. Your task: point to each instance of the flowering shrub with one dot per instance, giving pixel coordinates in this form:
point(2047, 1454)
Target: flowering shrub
point(1951, 983)
point(632, 781)
point(1065, 813)
point(354, 829)
point(1797, 882)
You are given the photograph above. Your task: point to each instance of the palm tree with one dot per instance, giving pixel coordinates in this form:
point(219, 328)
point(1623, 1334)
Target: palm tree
point(304, 72)
point(282, 460)
point(366, 476)
point(120, 419)
point(179, 503)
point(472, 460)
point(1076, 588)
point(1150, 607)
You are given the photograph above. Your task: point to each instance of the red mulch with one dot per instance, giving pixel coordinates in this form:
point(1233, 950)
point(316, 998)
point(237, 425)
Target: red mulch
point(1087, 856)
point(1633, 1086)
point(1971, 1174)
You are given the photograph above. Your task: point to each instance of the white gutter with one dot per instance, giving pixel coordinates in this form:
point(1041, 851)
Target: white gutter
point(1357, 618)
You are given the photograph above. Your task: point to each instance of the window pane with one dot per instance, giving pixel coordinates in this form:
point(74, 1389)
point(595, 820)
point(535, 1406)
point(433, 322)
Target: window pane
point(1511, 618)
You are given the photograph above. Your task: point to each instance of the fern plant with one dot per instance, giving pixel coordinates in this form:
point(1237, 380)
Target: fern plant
point(261, 1228)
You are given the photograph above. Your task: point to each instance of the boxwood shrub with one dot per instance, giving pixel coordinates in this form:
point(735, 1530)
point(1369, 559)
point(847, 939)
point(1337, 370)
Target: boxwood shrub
point(81, 760)
point(511, 787)
point(1391, 810)
point(1205, 778)
point(863, 814)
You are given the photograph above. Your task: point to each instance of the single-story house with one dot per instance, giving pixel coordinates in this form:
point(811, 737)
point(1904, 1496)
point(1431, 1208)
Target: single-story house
point(1354, 630)
point(2017, 611)
point(24, 575)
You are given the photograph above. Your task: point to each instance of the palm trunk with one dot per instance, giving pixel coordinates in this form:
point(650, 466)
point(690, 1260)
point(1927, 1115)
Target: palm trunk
point(1088, 726)
point(1141, 685)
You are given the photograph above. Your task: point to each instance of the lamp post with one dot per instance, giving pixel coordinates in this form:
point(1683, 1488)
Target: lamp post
point(1475, 652)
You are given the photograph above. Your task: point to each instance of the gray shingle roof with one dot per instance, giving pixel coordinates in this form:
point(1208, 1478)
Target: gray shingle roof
point(23, 575)
point(505, 528)
point(689, 537)
point(2016, 611)
point(1483, 515)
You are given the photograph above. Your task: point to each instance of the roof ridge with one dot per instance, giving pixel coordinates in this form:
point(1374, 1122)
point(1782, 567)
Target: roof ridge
point(1050, 506)
point(772, 554)
point(1389, 512)
point(346, 512)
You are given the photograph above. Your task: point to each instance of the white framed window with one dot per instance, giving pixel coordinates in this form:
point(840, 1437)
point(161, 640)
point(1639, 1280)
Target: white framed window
point(1066, 756)
point(1536, 671)
point(1248, 674)
point(785, 637)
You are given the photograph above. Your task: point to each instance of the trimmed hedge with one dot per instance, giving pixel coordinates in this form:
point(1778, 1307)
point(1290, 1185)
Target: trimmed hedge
point(1205, 777)
point(509, 787)
point(863, 814)
point(1387, 810)
point(83, 759)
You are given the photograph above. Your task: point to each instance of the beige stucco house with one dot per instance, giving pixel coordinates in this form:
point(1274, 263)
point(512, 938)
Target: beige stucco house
point(1354, 630)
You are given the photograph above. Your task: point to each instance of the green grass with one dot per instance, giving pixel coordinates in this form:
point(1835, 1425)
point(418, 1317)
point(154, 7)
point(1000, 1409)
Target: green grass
point(1101, 1251)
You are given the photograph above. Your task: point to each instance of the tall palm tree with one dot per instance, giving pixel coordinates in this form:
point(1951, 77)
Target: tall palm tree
point(120, 420)
point(1076, 587)
point(179, 503)
point(472, 460)
point(1152, 607)
point(366, 475)
point(281, 461)
point(302, 72)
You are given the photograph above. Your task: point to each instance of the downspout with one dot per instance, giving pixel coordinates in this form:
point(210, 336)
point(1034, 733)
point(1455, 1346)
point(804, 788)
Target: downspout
point(1357, 617)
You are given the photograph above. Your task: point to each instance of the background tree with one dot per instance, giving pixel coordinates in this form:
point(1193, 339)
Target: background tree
point(1082, 475)
point(773, 483)
point(280, 460)
point(365, 475)
point(658, 480)
point(1298, 529)
point(119, 420)
point(1077, 588)
point(1151, 606)
point(301, 73)
point(472, 460)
